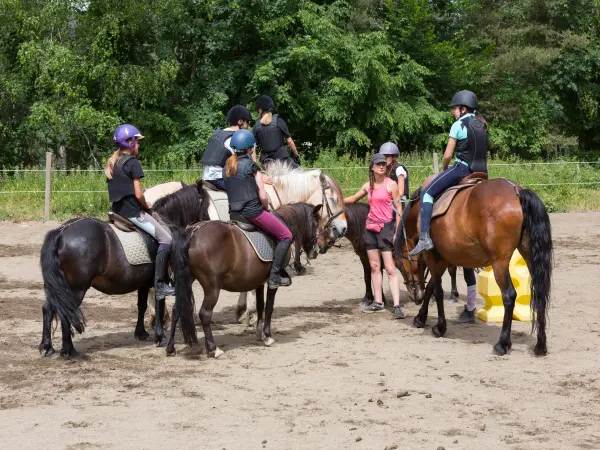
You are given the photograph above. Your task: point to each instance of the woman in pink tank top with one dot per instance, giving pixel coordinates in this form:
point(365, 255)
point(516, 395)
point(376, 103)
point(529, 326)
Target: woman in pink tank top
point(380, 234)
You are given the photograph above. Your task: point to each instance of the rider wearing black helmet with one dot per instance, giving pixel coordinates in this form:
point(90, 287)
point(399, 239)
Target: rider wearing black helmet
point(469, 138)
point(218, 149)
point(272, 134)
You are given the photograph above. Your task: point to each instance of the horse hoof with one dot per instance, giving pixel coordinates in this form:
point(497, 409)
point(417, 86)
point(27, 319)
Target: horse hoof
point(500, 350)
point(540, 350)
point(417, 322)
point(71, 355)
point(142, 336)
point(47, 352)
point(268, 340)
point(218, 353)
point(300, 270)
point(171, 351)
point(437, 331)
point(252, 319)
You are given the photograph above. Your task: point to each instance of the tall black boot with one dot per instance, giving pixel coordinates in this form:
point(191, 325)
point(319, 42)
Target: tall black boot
point(277, 278)
point(161, 288)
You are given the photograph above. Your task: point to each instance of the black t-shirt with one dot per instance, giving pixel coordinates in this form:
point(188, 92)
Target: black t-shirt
point(129, 206)
point(252, 208)
point(283, 127)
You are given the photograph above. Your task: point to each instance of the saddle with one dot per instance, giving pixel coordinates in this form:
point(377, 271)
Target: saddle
point(121, 222)
point(442, 203)
point(241, 222)
point(207, 185)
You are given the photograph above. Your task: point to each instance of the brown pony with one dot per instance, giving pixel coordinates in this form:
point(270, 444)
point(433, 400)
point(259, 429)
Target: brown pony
point(220, 257)
point(483, 227)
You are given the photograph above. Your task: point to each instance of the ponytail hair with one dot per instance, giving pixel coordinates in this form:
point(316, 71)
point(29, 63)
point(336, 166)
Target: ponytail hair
point(482, 120)
point(371, 179)
point(479, 116)
point(109, 167)
point(231, 166)
point(266, 118)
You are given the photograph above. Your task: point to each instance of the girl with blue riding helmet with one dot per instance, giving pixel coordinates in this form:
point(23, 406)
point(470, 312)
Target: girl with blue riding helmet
point(123, 174)
point(247, 197)
point(469, 139)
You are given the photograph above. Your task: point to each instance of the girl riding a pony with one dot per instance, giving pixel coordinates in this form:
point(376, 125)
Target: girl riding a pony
point(380, 234)
point(247, 197)
point(469, 138)
point(123, 174)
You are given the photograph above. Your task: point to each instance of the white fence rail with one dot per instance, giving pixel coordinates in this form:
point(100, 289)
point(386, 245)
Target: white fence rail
point(48, 170)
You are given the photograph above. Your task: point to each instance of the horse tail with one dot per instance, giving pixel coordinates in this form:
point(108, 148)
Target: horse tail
point(536, 225)
point(58, 292)
point(184, 298)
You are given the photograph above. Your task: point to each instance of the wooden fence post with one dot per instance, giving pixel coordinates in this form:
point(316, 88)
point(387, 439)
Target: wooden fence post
point(436, 168)
point(48, 183)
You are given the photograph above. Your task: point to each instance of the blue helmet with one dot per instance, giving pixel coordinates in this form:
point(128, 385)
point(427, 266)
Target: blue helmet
point(242, 140)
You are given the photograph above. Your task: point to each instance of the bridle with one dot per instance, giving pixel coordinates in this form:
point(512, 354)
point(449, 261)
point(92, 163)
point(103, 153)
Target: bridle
point(325, 186)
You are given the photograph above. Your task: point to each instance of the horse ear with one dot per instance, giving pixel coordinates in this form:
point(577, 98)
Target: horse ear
point(316, 209)
point(199, 185)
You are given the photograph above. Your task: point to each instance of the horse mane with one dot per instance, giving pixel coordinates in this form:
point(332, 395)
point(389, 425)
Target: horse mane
point(296, 216)
point(184, 207)
point(293, 183)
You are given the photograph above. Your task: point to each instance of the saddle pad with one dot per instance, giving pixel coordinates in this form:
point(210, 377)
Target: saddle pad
point(219, 205)
point(134, 247)
point(443, 202)
point(263, 246)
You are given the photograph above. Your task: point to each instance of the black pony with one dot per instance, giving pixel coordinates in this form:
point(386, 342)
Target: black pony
point(85, 252)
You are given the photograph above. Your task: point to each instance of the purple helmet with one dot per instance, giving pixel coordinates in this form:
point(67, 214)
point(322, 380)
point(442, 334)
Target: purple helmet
point(125, 132)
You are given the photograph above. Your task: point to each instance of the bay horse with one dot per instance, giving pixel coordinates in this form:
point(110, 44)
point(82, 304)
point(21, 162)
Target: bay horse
point(85, 252)
point(483, 227)
point(219, 256)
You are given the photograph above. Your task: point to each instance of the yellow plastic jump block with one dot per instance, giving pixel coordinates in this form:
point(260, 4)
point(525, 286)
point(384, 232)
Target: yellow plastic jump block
point(493, 311)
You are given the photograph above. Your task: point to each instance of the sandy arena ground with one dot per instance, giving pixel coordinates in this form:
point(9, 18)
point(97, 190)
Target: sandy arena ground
point(335, 378)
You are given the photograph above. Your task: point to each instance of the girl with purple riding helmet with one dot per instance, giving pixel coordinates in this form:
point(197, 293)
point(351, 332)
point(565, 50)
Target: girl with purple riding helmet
point(380, 232)
point(247, 197)
point(123, 174)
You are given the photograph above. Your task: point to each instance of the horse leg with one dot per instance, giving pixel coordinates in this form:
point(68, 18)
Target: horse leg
point(45, 347)
point(454, 291)
point(260, 308)
point(266, 337)
point(420, 319)
point(211, 296)
point(509, 295)
point(241, 310)
point(171, 342)
point(140, 331)
point(440, 329)
point(68, 350)
point(368, 298)
point(297, 265)
point(159, 332)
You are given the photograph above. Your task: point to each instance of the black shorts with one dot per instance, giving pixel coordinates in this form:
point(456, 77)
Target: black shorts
point(382, 240)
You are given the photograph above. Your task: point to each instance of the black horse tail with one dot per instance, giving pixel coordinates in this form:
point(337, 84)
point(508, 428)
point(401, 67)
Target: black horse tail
point(58, 291)
point(536, 224)
point(184, 298)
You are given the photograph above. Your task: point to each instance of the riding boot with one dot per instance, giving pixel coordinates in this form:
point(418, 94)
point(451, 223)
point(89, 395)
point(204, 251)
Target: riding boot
point(278, 276)
point(161, 288)
point(425, 243)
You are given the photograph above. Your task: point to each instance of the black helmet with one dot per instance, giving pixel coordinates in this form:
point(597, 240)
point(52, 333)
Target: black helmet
point(238, 112)
point(265, 103)
point(465, 98)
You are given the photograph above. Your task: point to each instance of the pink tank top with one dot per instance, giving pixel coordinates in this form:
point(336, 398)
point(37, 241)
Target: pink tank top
point(380, 212)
